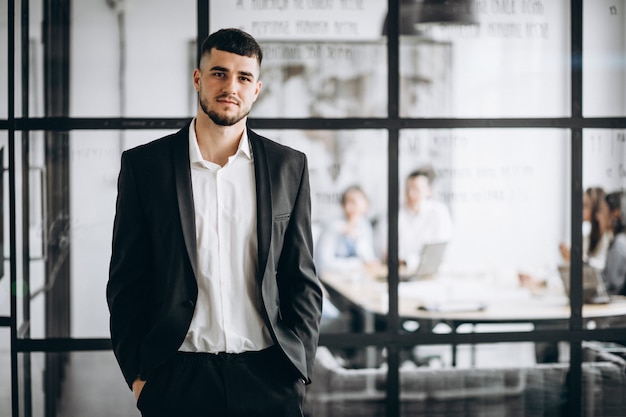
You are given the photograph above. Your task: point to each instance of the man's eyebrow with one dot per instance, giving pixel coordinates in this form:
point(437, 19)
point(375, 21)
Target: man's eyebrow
point(218, 68)
point(247, 74)
point(223, 69)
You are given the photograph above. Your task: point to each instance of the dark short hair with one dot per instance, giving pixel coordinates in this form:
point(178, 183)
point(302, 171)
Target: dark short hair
point(424, 171)
point(232, 40)
point(614, 201)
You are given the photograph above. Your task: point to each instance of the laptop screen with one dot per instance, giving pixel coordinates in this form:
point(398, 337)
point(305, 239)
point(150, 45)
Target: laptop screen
point(594, 290)
point(430, 259)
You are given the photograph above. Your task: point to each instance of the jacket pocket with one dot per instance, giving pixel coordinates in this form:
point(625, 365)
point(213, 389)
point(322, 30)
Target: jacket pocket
point(282, 217)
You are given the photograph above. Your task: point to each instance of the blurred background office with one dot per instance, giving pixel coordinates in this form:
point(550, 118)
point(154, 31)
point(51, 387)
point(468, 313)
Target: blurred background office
point(492, 94)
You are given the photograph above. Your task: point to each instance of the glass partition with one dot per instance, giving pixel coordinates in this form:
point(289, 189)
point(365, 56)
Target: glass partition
point(93, 158)
point(348, 177)
point(5, 278)
point(322, 79)
point(4, 59)
point(501, 267)
point(603, 64)
point(489, 59)
point(502, 380)
point(5, 371)
point(489, 194)
point(66, 384)
point(320, 58)
point(604, 214)
point(604, 153)
point(136, 68)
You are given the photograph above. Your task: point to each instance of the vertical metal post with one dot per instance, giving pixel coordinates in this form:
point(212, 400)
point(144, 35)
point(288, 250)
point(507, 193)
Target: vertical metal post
point(56, 104)
point(574, 387)
point(393, 322)
point(203, 25)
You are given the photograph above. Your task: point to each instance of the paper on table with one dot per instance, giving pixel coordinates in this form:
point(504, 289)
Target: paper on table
point(452, 306)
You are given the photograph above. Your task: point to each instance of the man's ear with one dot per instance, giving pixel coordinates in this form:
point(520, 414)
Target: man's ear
point(258, 90)
point(196, 78)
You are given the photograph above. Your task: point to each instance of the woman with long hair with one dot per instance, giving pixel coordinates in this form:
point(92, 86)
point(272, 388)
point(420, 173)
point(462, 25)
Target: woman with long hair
point(595, 240)
point(612, 217)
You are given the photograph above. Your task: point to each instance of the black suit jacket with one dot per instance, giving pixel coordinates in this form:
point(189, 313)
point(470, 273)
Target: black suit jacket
point(152, 287)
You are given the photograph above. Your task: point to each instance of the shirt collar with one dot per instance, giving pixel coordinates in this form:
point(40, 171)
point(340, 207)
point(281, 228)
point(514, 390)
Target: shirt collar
point(194, 150)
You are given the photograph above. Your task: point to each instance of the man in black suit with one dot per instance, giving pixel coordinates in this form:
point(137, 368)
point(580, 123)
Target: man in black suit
point(214, 300)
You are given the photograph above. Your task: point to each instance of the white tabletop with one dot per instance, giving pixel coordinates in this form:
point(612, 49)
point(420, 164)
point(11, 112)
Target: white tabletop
point(462, 299)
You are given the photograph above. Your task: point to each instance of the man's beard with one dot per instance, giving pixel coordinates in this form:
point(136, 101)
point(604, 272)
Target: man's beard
point(221, 120)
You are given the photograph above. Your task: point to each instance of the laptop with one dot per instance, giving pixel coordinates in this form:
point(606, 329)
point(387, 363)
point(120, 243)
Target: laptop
point(430, 261)
point(594, 290)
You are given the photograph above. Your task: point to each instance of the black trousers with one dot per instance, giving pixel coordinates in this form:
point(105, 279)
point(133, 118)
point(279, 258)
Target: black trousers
point(249, 384)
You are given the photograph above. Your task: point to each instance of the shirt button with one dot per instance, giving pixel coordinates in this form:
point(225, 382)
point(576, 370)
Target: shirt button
point(188, 304)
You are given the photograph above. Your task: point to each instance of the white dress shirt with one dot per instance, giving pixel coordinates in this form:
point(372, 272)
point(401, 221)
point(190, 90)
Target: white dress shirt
point(227, 313)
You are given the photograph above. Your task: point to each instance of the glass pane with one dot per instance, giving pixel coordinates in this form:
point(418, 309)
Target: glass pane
point(5, 276)
point(138, 69)
point(329, 80)
point(350, 164)
point(345, 392)
point(5, 371)
point(603, 370)
point(501, 187)
point(68, 384)
point(604, 153)
point(604, 55)
point(604, 179)
point(4, 59)
point(34, 55)
point(320, 58)
point(5, 293)
point(35, 63)
point(95, 157)
point(505, 59)
point(502, 380)
point(94, 163)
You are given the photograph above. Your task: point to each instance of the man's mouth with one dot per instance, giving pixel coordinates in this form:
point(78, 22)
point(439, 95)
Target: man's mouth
point(224, 100)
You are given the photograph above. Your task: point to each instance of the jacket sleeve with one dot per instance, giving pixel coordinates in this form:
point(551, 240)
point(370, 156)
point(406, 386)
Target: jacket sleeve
point(301, 293)
point(130, 260)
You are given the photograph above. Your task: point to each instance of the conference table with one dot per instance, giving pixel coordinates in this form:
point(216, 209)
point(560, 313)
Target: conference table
point(459, 299)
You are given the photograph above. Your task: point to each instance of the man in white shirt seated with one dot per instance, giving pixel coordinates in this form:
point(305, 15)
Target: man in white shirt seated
point(421, 220)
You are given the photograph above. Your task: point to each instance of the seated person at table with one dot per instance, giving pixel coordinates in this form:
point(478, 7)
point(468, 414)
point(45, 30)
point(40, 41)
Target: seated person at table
point(421, 219)
point(596, 239)
point(345, 246)
point(612, 216)
point(597, 236)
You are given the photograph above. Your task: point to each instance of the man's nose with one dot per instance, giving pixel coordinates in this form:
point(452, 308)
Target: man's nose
point(230, 85)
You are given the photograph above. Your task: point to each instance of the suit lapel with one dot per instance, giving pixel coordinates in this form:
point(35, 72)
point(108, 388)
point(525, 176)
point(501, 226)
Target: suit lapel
point(184, 194)
point(263, 200)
